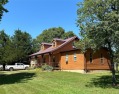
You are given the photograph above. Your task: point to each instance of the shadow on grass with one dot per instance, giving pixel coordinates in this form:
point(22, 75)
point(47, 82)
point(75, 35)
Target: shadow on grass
point(15, 78)
point(103, 82)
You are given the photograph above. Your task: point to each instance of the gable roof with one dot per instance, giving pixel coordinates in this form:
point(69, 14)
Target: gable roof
point(51, 49)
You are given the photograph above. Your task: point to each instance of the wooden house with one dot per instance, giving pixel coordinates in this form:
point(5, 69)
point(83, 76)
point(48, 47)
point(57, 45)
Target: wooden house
point(62, 54)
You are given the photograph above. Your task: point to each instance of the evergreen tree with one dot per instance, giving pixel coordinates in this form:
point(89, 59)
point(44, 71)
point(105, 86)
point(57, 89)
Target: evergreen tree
point(22, 45)
point(4, 38)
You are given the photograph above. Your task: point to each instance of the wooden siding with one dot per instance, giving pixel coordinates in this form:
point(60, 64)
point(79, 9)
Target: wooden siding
point(96, 60)
point(67, 47)
point(71, 64)
point(44, 47)
point(58, 43)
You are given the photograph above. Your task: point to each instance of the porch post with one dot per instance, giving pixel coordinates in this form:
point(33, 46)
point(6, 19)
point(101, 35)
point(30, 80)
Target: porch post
point(50, 63)
point(42, 61)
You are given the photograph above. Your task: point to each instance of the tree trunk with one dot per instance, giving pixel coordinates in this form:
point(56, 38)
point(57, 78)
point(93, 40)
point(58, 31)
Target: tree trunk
point(113, 75)
point(114, 82)
point(4, 67)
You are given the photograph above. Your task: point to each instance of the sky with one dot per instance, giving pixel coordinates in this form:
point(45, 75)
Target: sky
point(34, 16)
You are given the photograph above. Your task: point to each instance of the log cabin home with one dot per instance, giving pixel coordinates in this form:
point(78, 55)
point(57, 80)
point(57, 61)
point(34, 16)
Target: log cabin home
point(62, 54)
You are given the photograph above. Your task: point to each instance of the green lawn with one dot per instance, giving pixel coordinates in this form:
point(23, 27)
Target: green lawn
point(37, 82)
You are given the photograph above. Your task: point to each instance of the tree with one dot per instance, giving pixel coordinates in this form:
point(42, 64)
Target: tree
point(4, 41)
point(22, 45)
point(98, 20)
point(48, 35)
point(68, 34)
point(16, 48)
point(2, 9)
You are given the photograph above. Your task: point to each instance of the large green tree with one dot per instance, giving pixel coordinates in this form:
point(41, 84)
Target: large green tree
point(22, 45)
point(48, 35)
point(68, 34)
point(99, 21)
point(16, 48)
point(4, 42)
point(2, 9)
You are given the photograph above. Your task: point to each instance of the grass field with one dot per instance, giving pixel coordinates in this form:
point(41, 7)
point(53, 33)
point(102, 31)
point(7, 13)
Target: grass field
point(37, 82)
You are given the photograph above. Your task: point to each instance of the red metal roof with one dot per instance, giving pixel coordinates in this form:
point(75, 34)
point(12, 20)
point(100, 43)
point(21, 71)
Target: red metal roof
point(52, 49)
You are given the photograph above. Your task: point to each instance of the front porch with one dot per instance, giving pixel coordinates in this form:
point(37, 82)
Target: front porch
point(49, 59)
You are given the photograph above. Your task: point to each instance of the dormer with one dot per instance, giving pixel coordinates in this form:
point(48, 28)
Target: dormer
point(57, 42)
point(45, 45)
point(53, 43)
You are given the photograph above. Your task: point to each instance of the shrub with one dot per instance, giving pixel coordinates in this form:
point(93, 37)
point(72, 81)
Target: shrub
point(46, 67)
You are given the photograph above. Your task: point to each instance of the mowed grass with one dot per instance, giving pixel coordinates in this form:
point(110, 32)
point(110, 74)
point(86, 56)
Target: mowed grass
point(57, 82)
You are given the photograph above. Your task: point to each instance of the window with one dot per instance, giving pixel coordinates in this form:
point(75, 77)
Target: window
point(101, 58)
point(66, 58)
point(75, 57)
point(91, 58)
point(53, 44)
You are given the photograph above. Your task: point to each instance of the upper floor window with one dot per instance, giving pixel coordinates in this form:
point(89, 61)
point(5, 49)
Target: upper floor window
point(53, 44)
point(91, 57)
point(101, 58)
point(75, 57)
point(66, 58)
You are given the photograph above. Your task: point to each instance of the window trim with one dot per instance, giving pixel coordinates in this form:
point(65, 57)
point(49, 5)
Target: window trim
point(66, 58)
point(75, 57)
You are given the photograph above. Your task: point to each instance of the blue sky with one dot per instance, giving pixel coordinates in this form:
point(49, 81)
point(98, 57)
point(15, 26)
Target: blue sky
point(34, 16)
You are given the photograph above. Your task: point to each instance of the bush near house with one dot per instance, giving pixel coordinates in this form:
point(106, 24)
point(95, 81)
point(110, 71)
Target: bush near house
point(46, 67)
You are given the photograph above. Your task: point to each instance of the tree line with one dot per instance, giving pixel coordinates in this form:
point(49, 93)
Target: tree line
point(18, 47)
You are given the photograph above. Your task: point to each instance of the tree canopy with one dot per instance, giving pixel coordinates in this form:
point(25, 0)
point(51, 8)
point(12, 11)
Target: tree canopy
point(68, 34)
point(99, 22)
point(22, 45)
point(48, 35)
point(16, 48)
point(4, 38)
